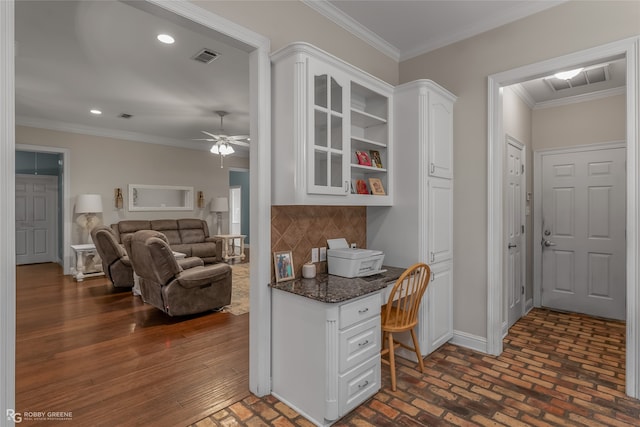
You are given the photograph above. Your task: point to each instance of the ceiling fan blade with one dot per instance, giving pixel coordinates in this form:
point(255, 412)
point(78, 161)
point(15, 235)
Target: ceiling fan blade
point(237, 137)
point(203, 139)
point(212, 135)
point(240, 143)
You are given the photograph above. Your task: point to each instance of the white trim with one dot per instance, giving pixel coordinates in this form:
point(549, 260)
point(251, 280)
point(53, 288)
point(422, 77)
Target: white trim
point(7, 207)
point(537, 206)
point(473, 342)
point(629, 48)
point(592, 96)
point(346, 22)
point(523, 94)
point(67, 201)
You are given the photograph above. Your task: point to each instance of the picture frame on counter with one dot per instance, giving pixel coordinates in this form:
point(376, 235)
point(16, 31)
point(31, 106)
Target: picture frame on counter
point(283, 265)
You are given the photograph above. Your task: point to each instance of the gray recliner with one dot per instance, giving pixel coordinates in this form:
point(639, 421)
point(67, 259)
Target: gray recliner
point(115, 262)
point(174, 290)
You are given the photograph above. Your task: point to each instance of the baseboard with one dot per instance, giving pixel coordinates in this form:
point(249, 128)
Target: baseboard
point(528, 306)
point(473, 342)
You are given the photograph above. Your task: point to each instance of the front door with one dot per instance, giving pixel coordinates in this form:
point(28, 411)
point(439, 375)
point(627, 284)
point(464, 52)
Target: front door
point(583, 232)
point(515, 222)
point(36, 197)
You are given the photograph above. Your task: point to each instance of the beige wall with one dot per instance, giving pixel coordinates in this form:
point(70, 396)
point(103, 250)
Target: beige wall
point(99, 165)
point(284, 22)
point(590, 122)
point(463, 69)
point(517, 123)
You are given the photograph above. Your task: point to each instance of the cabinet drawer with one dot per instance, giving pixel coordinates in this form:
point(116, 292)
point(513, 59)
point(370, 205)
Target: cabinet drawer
point(359, 310)
point(359, 343)
point(359, 384)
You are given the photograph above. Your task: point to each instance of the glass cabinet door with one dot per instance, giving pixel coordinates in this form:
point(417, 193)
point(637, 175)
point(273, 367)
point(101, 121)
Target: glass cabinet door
point(328, 162)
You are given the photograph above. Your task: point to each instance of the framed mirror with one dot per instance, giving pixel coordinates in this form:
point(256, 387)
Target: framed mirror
point(160, 198)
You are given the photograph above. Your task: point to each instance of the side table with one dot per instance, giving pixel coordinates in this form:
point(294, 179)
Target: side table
point(229, 246)
point(87, 263)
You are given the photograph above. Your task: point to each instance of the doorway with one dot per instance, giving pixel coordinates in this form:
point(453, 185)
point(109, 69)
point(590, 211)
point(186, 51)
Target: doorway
point(627, 49)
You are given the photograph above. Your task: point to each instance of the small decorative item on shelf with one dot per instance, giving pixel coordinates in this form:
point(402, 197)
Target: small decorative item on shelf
point(283, 264)
point(200, 200)
point(363, 158)
point(375, 158)
point(361, 187)
point(118, 199)
point(376, 187)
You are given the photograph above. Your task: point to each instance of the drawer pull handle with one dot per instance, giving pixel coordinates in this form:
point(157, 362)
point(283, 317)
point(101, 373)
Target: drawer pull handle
point(364, 310)
point(363, 343)
point(363, 385)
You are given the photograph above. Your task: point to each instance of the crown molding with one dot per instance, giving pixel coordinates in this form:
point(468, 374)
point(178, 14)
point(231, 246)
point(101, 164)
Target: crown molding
point(523, 94)
point(581, 98)
point(344, 21)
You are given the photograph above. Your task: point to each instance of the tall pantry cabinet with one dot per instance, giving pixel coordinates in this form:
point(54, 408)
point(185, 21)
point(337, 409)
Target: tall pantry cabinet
point(419, 225)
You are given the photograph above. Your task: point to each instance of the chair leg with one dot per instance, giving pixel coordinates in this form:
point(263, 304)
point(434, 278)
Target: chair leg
point(417, 349)
point(392, 361)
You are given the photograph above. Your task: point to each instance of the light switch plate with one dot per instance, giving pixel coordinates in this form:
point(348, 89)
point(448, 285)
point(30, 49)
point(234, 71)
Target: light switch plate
point(323, 254)
point(314, 255)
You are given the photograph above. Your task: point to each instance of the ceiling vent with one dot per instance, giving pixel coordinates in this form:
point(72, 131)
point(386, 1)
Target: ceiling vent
point(125, 116)
point(205, 56)
point(596, 74)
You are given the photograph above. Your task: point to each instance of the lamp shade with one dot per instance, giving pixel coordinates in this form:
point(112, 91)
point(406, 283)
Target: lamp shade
point(220, 204)
point(89, 203)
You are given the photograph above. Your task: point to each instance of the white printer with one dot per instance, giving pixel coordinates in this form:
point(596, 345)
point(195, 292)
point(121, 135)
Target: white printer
point(352, 262)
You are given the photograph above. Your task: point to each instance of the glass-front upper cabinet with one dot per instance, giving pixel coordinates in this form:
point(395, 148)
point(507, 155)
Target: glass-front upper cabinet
point(328, 163)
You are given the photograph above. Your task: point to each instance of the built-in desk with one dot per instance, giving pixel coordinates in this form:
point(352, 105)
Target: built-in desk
point(326, 343)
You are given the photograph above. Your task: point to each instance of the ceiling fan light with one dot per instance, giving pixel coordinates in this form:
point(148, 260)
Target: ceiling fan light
point(567, 75)
point(215, 149)
point(226, 149)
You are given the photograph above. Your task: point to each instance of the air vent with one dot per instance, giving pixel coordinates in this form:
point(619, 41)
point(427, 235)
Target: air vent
point(205, 56)
point(587, 76)
point(125, 116)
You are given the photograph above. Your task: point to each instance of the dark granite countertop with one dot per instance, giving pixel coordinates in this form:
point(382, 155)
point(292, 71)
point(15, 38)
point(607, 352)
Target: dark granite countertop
point(328, 288)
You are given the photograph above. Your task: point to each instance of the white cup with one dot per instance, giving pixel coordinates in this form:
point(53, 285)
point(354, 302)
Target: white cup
point(309, 270)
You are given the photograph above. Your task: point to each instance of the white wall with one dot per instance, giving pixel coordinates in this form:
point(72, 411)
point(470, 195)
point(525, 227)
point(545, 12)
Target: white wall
point(99, 165)
point(463, 68)
point(589, 122)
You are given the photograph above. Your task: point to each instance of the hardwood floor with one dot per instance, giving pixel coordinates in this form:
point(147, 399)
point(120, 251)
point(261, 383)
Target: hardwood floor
point(112, 360)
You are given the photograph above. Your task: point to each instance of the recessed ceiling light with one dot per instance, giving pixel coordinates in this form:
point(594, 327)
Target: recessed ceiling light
point(96, 112)
point(166, 38)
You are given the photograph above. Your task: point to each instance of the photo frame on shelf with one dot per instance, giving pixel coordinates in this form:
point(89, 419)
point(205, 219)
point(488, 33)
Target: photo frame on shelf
point(376, 160)
point(361, 187)
point(363, 158)
point(283, 264)
point(377, 188)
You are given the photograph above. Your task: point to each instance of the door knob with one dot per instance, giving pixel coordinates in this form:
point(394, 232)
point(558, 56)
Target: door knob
point(548, 243)
point(511, 245)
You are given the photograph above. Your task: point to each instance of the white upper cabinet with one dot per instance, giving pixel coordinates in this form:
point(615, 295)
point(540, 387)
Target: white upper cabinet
point(440, 135)
point(331, 131)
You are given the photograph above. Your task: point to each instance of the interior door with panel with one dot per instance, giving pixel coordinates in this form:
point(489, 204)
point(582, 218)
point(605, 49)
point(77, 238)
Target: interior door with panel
point(36, 197)
point(514, 233)
point(583, 232)
point(328, 159)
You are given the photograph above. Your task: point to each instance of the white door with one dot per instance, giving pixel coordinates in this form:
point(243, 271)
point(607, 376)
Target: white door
point(36, 197)
point(583, 232)
point(235, 210)
point(514, 232)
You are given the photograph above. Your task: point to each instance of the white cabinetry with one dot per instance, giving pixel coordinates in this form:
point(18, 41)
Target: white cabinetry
point(326, 357)
point(326, 110)
point(419, 226)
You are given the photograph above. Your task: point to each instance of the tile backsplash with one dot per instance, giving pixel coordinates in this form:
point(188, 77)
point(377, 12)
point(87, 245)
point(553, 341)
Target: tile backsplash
point(300, 228)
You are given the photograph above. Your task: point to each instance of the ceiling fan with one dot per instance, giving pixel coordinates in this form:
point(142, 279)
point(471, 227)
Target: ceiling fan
point(222, 143)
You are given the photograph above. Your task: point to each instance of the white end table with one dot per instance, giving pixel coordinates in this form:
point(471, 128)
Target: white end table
point(229, 246)
point(87, 263)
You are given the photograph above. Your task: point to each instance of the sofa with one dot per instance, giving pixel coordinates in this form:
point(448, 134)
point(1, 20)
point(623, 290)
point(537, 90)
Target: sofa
point(174, 290)
point(189, 236)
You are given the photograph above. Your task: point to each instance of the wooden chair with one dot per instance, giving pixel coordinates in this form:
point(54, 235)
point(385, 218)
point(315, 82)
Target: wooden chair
point(400, 314)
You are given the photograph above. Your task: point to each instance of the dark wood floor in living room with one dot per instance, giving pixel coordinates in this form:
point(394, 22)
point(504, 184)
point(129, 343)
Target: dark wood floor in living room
point(112, 360)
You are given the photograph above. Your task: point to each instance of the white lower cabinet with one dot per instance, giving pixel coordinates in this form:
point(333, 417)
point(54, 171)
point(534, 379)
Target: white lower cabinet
point(326, 357)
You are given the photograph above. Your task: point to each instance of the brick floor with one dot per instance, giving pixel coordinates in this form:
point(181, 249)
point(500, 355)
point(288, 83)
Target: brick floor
point(557, 369)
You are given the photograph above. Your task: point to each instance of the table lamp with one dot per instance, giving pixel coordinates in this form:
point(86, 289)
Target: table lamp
point(219, 205)
point(88, 205)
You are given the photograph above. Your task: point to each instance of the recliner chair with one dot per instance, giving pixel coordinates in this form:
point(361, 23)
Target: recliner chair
point(115, 262)
point(168, 287)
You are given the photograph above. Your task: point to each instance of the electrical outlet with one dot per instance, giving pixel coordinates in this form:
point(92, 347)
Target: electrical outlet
point(323, 254)
point(314, 255)
point(353, 246)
